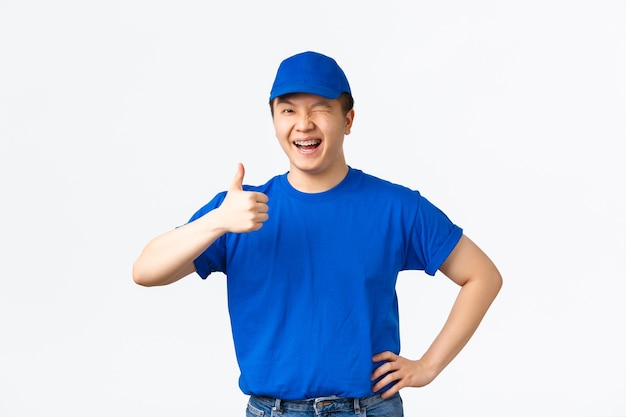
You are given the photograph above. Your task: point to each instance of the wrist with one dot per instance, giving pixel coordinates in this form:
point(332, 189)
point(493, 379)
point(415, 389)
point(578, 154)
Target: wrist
point(214, 223)
point(431, 366)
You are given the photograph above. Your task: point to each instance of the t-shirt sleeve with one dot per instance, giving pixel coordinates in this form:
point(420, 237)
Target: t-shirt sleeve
point(433, 237)
point(213, 259)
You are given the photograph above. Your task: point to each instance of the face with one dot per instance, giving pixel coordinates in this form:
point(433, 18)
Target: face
point(311, 129)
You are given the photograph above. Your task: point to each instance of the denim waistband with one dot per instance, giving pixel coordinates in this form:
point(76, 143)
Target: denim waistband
point(320, 404)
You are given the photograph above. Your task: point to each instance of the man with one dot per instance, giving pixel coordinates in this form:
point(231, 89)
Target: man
point(311, 289)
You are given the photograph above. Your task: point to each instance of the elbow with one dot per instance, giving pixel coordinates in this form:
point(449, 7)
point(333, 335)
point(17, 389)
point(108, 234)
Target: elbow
point(141, 276)
point(490, 280)
point(496, 281)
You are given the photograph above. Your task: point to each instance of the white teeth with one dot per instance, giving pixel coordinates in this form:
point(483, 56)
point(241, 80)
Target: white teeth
point(307, 142)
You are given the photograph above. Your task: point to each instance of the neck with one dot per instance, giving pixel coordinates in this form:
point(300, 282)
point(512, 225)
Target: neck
point(310, 182)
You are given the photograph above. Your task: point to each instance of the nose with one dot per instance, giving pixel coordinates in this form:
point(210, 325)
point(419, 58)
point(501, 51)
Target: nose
point(304, 122)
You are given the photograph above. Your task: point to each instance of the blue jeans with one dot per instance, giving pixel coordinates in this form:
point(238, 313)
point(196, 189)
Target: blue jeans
point(373, 406)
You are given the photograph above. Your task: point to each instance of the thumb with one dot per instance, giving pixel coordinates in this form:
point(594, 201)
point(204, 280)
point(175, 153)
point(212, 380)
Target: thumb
point(237, 183)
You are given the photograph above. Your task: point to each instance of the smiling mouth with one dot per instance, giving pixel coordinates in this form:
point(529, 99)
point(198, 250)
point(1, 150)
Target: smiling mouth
point(307, 144)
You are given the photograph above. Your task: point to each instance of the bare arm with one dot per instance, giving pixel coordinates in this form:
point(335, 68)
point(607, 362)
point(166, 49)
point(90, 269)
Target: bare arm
point(169, 257)
point(480, 282)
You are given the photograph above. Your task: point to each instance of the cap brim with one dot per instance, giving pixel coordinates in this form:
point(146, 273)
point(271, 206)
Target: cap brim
point(318, 90)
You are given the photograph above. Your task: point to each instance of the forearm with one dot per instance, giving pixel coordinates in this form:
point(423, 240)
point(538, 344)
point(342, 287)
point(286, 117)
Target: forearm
point(170, 256)
point(469, 308)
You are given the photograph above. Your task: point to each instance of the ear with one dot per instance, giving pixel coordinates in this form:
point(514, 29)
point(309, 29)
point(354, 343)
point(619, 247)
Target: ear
point(349, 121)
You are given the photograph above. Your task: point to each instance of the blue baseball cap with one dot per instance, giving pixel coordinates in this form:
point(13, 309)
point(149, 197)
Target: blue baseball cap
point(310, 72)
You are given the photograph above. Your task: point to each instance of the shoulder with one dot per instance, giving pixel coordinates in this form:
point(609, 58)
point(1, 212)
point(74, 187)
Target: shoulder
point(267, 186)
point(376, 185)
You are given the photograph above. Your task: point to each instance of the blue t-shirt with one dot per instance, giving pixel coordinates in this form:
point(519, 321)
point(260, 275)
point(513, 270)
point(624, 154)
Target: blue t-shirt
point(311, 295)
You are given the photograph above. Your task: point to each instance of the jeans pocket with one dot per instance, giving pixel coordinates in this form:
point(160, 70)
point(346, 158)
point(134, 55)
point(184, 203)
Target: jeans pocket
point(391, 407)
point(252, 411)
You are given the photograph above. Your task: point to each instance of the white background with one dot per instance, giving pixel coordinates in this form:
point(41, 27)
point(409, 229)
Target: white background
point(118, 119)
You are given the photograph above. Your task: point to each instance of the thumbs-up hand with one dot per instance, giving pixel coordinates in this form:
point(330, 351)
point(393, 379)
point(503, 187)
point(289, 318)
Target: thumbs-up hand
point(243, 211)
